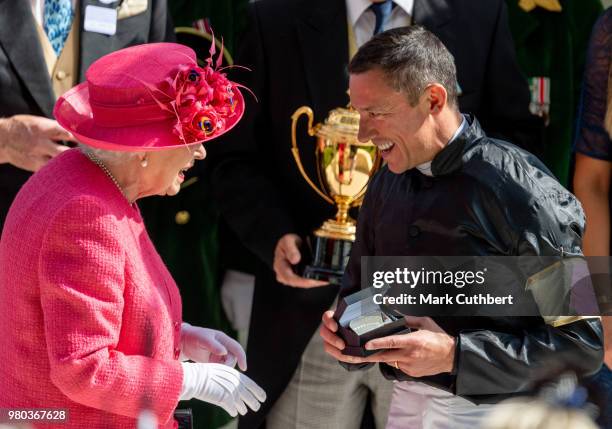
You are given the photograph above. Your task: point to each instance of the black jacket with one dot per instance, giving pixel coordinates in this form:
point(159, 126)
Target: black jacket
point(486, 198)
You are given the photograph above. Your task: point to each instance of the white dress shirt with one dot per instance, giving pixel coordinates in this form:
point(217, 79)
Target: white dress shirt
point(363, 19)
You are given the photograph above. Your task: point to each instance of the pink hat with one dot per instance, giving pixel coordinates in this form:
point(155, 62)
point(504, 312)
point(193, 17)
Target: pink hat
point(150, 97)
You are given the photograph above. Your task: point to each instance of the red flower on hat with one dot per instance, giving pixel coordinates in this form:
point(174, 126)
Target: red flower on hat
point(202, 98)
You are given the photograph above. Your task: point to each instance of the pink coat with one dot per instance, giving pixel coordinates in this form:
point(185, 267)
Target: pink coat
point(89, 315)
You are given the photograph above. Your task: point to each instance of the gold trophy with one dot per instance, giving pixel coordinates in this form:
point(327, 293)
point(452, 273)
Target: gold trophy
point(344, 168)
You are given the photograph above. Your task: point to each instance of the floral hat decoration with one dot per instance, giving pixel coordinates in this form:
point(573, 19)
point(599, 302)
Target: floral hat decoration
point(151, 97)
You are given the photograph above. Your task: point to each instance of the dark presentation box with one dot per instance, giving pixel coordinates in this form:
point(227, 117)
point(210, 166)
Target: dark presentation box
point(360, 320)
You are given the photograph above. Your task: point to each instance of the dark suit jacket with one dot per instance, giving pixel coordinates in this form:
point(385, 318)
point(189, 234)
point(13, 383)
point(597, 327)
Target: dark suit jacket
point(298, 53)
point(25, 87)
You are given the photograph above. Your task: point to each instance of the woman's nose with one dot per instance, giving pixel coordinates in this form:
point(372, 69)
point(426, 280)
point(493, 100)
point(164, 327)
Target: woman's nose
point(200, 152)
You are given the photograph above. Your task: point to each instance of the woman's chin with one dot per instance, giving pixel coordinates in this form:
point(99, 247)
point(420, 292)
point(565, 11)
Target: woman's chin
point(172, 190)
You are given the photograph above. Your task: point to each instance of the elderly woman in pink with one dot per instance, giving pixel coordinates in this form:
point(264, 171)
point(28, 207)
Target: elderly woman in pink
point(90, 318)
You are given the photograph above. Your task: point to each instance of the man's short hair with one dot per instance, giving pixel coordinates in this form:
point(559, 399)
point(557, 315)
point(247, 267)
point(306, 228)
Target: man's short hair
point(411, 58)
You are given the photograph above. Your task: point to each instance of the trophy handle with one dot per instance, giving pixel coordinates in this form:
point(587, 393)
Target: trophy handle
point(296, 152)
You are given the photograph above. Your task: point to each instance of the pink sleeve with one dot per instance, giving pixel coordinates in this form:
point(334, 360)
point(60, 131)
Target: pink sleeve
point(81, 271)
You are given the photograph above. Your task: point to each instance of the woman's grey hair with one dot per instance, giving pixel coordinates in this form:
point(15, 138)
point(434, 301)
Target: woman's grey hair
point(561, 403)
point(411, 58)
point(530, 413)
point(110, 157)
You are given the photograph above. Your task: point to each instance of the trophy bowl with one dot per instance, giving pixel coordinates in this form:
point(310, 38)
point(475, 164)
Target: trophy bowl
point(344, 168)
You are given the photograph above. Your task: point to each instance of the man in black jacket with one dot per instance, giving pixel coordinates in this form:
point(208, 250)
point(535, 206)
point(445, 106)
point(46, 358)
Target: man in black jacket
point(448, 189)
point(298, 51)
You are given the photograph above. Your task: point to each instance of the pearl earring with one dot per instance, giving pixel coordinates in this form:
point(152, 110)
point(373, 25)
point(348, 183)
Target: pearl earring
point(144, 162)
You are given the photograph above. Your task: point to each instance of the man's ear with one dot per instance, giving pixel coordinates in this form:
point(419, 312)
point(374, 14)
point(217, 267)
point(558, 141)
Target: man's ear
point(437, 98)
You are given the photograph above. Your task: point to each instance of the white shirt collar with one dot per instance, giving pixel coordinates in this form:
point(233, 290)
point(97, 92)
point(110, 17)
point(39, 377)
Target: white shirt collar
point(355, 8)
point(425, 168)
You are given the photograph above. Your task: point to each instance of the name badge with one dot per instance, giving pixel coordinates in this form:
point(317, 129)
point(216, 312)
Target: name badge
point(101, 20)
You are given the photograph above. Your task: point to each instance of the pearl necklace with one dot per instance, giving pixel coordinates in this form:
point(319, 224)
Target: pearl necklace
point(103, 167)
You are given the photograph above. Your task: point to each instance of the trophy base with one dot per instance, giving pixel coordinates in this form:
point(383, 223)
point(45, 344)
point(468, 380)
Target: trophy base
point(330, 256)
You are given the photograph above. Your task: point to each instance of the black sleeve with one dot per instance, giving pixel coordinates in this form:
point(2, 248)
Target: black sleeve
point(363, 246)
point(592, 139)
point(546, 226)
point(162, 29)
point(490, 363)
point(242, 171)
point(505, 113)
point(364, 238)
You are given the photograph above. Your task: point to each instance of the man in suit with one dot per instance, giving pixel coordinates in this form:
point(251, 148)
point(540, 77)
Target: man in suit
point(35, 70)
point(298, 52)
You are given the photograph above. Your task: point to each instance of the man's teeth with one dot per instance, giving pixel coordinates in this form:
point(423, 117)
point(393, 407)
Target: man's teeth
point(385, 146)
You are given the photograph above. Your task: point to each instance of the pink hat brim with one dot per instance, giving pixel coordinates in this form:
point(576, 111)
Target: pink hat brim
point(73, 112)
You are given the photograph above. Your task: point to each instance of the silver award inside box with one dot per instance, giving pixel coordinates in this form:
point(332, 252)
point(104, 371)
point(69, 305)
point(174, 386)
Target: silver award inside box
point(360, 319)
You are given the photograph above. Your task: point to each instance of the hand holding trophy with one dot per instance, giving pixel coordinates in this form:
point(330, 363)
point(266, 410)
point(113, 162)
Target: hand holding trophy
point(344, 168)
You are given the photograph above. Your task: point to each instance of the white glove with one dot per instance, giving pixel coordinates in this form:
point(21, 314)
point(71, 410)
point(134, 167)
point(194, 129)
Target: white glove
point(207, 345)
point(221, 385)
